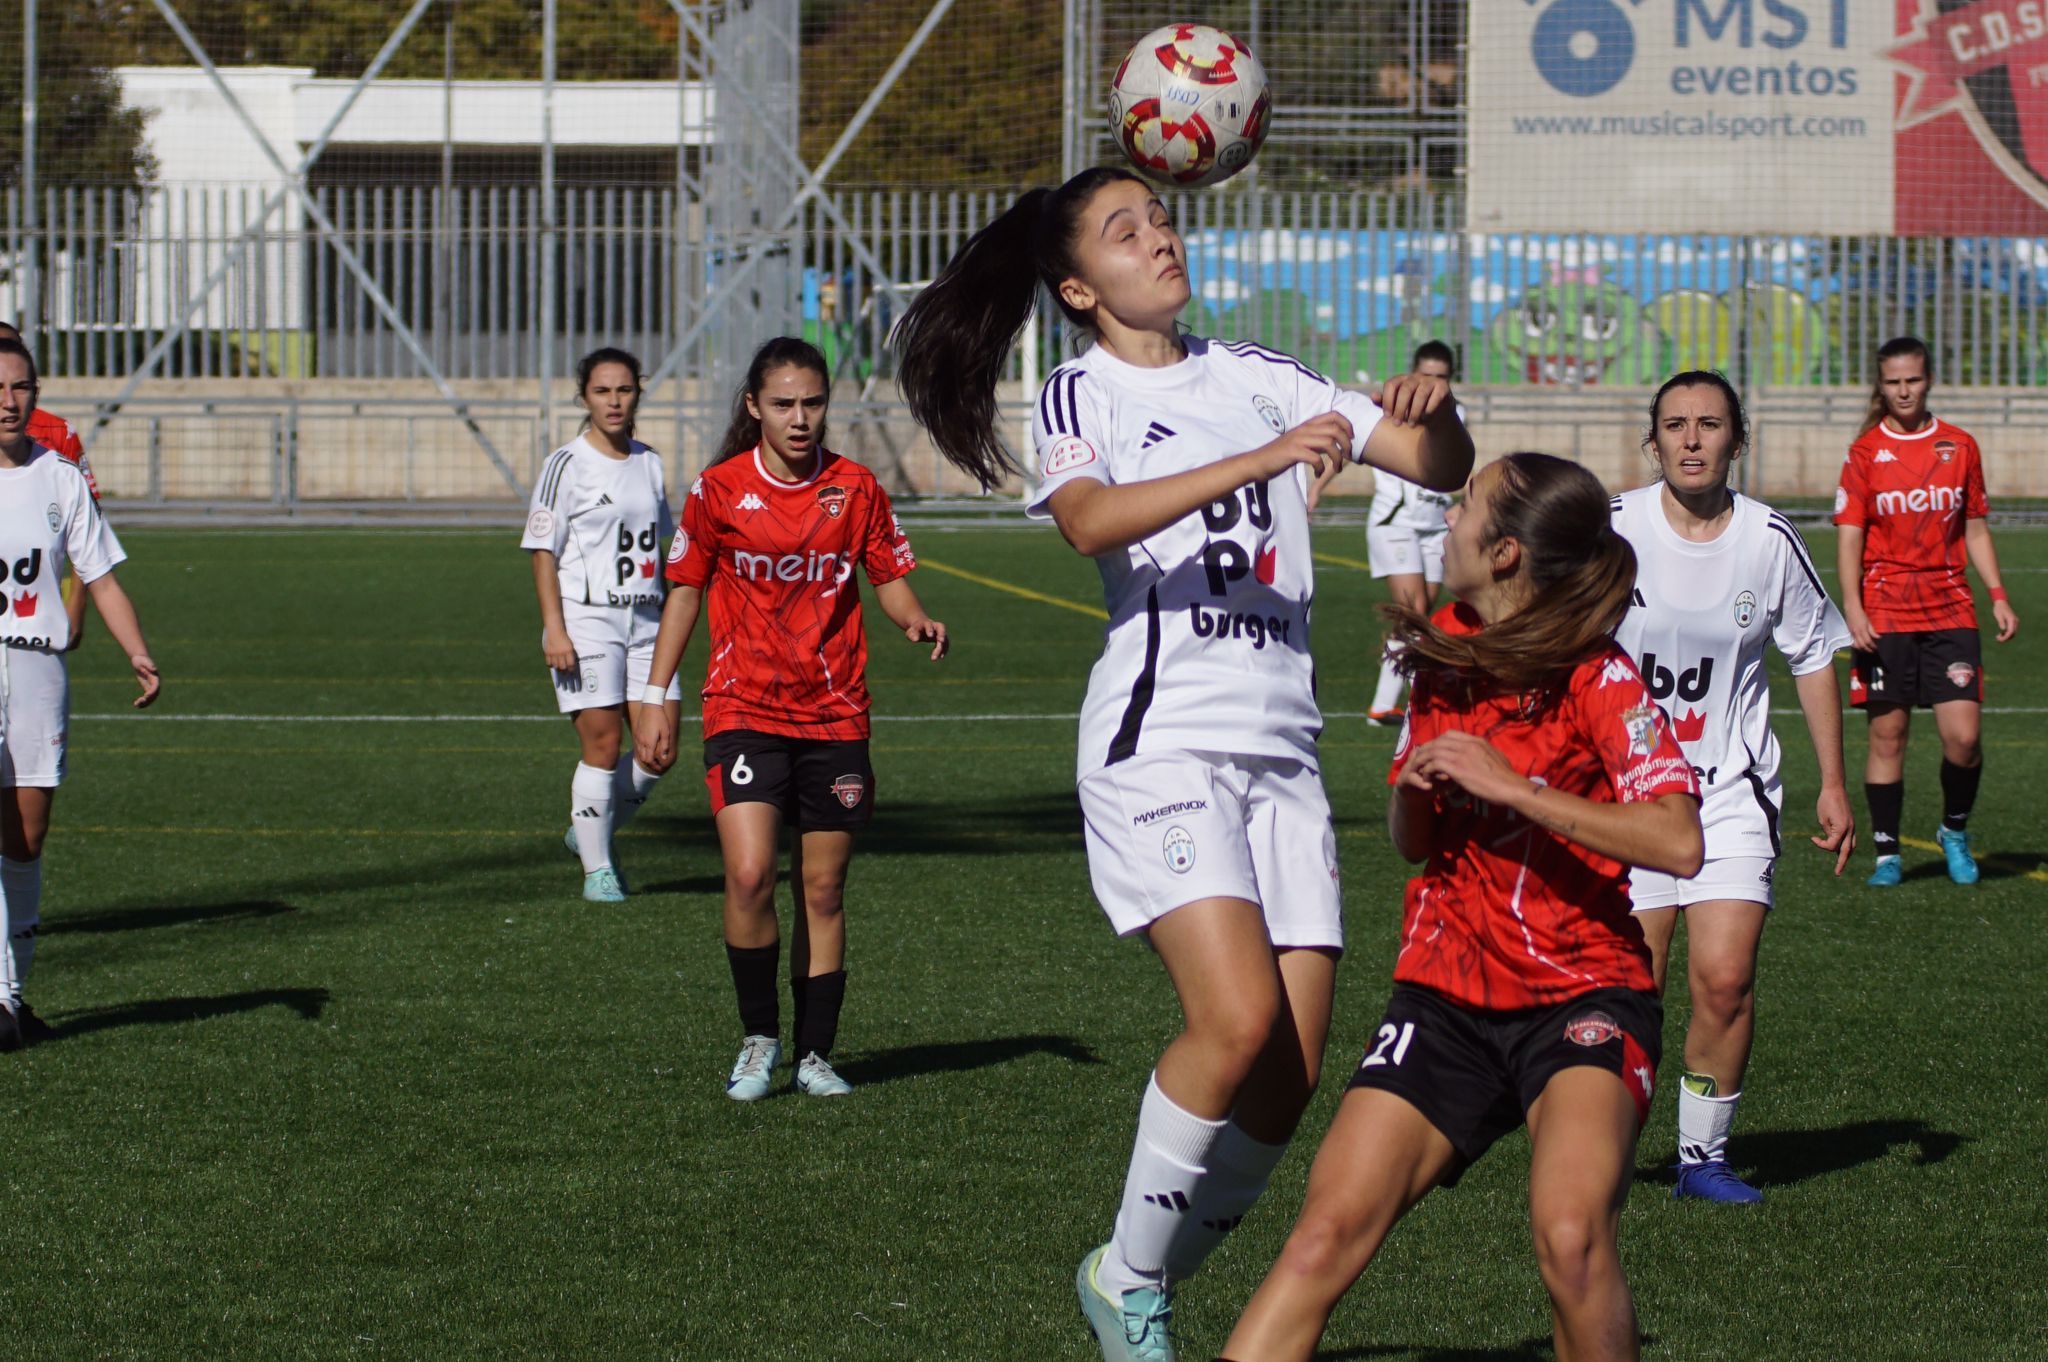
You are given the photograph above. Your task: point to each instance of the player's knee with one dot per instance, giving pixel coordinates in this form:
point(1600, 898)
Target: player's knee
point(1326, 1246)
point(1240, 1034)
point(1569, 1245)
point(823, 895)
point(601, 750)
point(1722, 993)
point(1963, 751)
point(750, 883)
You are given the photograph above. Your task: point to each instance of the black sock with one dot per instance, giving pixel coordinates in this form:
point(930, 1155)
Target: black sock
point(822, 994)
point(1887, 803)
point(753, 979)
point(1958, 793)
point(799, 997)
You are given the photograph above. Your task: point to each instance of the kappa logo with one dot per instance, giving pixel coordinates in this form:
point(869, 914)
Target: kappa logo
point(1591, 1028)
point(1178, 846)
point(1155, 434)
point(1885, 456)
point(1617, 669)
point(750, 502)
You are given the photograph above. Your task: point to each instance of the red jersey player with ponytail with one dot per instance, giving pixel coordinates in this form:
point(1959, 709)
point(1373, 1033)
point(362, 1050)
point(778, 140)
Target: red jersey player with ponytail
point(771, 536)
point(1533, 771)
point(1911, 508)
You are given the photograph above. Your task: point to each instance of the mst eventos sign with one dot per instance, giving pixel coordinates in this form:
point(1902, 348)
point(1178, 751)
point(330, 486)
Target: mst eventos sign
point(1682, 115)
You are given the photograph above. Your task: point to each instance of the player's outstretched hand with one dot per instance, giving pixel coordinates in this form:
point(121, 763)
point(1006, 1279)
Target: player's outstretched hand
point(146, 675)
point(1411, 399)
point(2008, 622)
point(1314, 442)
point(654, 738)
point(557, 649)
point(1474, 765)
point(928, 630)
point(1837, 826)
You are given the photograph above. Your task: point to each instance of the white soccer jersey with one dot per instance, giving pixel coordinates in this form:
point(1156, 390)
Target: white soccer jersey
point(1207, 647)
point(1701, 618)
point(605, 521)
point(1408, 505)
point(48, 517)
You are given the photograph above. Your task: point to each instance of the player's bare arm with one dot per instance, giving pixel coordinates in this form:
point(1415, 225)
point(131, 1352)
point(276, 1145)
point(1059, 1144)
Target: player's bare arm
point(1421, 438)
point(1849, 580)
point(899, 602)
point(1098, 518)
point(74, 609)
point(1984, 558)
point(1820, 699)
point(654, 733)
point(1659, 834)
point(1411, 816)
point(554, 634)
point(119, 613)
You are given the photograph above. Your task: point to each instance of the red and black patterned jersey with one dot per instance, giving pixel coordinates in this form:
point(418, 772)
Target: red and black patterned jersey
point(53, 432)
point(775, 561)
point(1911, 495)
point(1506, 914)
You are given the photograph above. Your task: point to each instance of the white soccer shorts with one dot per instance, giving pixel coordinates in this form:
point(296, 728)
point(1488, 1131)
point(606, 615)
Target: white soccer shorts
point(614, 652)
point(35, 711)
point(1395, 549)
point(1747, 878)
point(1166, 829)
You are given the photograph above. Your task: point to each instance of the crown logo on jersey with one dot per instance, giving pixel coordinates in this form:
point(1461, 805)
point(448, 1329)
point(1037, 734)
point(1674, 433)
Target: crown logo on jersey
point(1690, 728)
point(832, 499)
point(25, 605)
point(1975, 60)
point(1263, 565)
point(750, 502)
point(647, 567)
point(1155, 434)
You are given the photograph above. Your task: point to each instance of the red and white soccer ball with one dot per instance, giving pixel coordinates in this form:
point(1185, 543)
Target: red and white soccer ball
point(1189, 105)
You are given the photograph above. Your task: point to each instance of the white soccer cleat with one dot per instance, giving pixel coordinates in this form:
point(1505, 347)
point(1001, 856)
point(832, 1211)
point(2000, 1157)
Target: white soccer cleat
point(752, 1072)
point(815, 1078)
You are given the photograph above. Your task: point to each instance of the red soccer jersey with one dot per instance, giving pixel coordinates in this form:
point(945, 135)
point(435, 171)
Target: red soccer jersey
point(53, 432)
point(1507, 915)
point(775, 561)
point(1911, 495)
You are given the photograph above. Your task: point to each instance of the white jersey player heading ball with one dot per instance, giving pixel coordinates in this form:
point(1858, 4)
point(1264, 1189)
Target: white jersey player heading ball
point(1181, 466)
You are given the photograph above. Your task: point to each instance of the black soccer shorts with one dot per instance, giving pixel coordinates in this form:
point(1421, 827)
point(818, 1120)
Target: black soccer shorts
point(1924, 669)
point(820, 786)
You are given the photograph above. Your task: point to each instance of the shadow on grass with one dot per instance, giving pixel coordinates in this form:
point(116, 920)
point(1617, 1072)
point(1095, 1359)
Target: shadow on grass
point(960, 1056)
point(1781, 1158)
point(167, 915)
point(1529, 1350)
point(693, 884)
point(307, 1002)
point(1991, 865)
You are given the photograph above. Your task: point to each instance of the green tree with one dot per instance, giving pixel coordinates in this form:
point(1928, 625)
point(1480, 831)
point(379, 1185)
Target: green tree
point(83, 135)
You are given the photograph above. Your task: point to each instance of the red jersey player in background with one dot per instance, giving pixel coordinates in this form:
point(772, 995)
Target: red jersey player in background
point(1910, 508)
point(770, 538)
point(53, 432)
point(1533, 770)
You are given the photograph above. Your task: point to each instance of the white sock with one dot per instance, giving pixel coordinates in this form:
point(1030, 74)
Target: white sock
point(590, 814)
point(1387, 693)
point(1168, 1159)
point(1238, 1173)
point(21, 893)
point(631, 784)
point(1703, 1124)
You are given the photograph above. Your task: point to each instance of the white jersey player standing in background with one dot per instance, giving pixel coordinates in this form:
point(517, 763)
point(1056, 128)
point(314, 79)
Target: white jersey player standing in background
point(1182, 466)
point(48, 519)
point(1720, 577)
point(596, 527)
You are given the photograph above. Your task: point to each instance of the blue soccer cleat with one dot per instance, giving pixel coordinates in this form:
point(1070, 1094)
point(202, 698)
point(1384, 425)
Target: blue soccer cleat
point(1955, 847)
point(1713, 1182)
point(753, 1070)
point(1887, 874)
point(602, 886)
point(1130, 1330)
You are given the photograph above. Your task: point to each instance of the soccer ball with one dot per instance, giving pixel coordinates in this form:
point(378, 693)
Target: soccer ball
point(1189, 105)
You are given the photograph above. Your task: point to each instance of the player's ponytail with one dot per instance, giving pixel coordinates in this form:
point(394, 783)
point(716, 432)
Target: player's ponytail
point(743, 432)
point(1898, 347)
point(1579, 576)
point(953, 343)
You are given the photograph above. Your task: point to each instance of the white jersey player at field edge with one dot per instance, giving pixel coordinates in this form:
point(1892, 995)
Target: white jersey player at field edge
point(48, 519)
point(1720, 577)
point(1181, 465)
point(596, 527)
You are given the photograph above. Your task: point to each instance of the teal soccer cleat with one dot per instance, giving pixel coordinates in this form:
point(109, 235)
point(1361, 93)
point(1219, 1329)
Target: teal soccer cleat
point(751, 1073)
point(1130, 1330)
point(1887, 874)
point(1955, 848)
point(602, 886)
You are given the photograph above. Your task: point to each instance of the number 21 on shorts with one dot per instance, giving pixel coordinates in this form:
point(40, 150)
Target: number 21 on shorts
point(1398, 1037)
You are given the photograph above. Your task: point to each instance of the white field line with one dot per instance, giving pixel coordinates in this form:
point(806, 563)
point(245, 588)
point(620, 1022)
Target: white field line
point(556, 718)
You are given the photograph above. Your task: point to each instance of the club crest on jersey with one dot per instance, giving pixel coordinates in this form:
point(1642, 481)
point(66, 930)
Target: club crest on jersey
point(1946, 449)
point(1179, 850)
point(1069, 451)
point(1745, 609)
point(833, 500)
point(540, 525)
point(1841, 500)
point(848, 790)
point(54, 516)
point(1961, 674)
point(1591, 1028)
point(1642, 722)
point(1269, 412)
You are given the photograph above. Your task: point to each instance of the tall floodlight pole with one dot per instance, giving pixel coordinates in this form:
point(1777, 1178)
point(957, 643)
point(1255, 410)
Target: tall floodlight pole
point(547, 227)
point(31, 219)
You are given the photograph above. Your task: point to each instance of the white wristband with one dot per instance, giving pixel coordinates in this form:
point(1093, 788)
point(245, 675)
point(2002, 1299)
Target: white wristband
point(654, 695)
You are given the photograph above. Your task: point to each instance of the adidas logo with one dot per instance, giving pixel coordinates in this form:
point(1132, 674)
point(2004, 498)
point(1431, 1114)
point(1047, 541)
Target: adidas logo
point(750, 502)
point(588, 813)
point(1885, 456)
point(605, 500)
point(1225, 1225)
point(1175, 1201)
point(1154, 434)
point(1636, 598)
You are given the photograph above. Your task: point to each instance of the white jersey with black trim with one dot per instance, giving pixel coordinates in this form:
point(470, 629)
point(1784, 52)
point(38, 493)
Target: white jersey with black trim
point(1701, 618)
point(1408, 505)
point(48, 517)
point(605, 520)
point(1207, 647)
